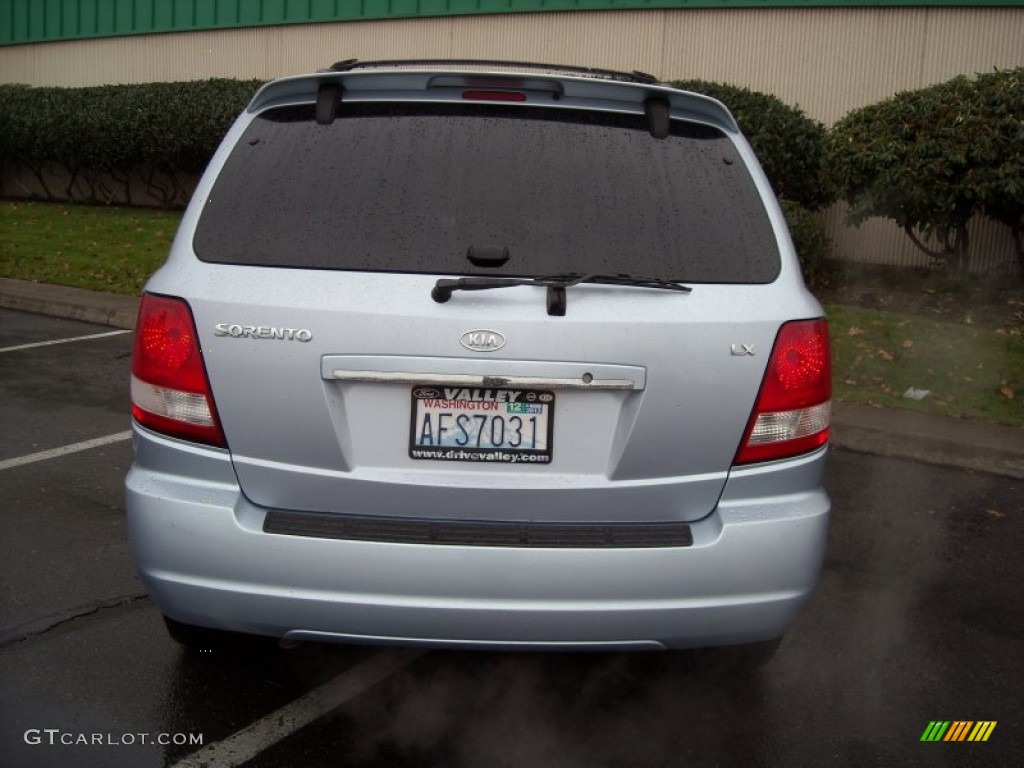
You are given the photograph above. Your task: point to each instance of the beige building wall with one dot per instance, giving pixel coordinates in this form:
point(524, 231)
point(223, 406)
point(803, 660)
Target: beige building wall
point(826, 60)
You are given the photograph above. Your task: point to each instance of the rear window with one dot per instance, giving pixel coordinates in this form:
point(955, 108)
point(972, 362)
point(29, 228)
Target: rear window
point(410, 187)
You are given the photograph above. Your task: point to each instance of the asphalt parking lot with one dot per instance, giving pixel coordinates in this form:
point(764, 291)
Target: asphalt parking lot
point(919, 617)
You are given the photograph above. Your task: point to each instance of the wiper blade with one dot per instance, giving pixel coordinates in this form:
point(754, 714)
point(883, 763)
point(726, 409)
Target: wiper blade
point(556, 285)
point(635, 280)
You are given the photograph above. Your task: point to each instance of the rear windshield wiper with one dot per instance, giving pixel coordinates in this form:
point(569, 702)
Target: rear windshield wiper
point(556, 285)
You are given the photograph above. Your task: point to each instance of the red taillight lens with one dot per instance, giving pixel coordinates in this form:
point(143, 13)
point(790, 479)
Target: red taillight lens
point(170, 391)
point(793, 409)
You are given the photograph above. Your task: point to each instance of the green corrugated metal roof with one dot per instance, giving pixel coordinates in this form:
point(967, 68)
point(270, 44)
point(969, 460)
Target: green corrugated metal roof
point(36, 21)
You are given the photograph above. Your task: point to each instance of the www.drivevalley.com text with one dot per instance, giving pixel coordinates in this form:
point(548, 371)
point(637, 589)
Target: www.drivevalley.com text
point(458, 454)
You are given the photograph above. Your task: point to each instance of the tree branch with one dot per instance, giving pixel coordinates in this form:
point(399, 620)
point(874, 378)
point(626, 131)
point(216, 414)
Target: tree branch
point(1018, 247)
point(940, 255)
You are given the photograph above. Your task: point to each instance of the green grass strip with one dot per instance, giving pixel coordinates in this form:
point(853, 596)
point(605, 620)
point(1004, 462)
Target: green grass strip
point(969, 372)
point(103, 248)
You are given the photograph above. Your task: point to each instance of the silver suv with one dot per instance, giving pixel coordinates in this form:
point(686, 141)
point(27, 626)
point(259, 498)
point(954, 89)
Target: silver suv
point(480, 354)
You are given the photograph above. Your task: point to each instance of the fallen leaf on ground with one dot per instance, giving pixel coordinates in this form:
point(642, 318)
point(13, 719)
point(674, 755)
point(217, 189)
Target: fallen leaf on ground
point(855, 331)
point(1007, 393)
point(885, 356)
point(995, 513)
point(907, 344)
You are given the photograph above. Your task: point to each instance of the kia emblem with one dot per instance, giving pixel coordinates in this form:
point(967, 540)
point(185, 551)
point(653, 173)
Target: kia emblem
point(482, 340)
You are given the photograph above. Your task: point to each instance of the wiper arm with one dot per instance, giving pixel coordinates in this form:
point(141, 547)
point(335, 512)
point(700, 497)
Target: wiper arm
point(443, 288)
point(556, 285)
point(634, 280)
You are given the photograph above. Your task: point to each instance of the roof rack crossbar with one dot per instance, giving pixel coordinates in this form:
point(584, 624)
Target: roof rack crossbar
point(610, 74)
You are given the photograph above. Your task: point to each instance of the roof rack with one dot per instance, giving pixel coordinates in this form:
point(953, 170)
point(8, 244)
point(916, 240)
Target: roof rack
point(604, 74)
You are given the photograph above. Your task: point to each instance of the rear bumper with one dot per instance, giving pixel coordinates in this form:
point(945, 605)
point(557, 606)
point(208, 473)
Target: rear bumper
point(201, 550)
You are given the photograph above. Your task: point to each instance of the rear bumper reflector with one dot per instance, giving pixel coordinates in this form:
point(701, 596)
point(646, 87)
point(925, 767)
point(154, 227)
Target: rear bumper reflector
point(479, 534)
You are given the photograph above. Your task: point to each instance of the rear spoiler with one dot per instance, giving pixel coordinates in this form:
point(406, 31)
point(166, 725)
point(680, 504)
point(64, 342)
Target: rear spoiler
point(494, 65)
point(655, 100)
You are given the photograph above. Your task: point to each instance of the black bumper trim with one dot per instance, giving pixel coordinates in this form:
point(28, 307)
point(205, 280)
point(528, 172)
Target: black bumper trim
point(478, 534)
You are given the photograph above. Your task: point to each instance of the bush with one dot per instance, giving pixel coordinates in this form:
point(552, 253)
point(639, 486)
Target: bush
point(90, 136)
point(812, 244)
point(932, 158)
point(790, 145)
point(1000, 182)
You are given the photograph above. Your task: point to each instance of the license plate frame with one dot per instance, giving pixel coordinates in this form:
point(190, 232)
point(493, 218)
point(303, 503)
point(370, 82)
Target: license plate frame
point(482, 425)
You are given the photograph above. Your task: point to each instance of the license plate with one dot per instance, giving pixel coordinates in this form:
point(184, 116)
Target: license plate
point(511, 426)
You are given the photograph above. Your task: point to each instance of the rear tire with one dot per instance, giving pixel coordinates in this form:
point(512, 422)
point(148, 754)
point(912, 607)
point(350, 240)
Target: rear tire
point(738, 659)
point(209, 642)
point(756, 655)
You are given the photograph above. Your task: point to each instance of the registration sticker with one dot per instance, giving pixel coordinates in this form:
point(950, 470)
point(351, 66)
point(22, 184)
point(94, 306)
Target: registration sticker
point(511, 426)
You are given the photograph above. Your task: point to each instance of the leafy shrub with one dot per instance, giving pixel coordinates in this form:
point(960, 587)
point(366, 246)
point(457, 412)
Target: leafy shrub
point(932, 158)
point(89, 136)
point(790, 145)
point(812, 245)
point(1000, 182)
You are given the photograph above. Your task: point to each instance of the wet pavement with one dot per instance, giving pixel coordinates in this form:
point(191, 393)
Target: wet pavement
point(919, 617)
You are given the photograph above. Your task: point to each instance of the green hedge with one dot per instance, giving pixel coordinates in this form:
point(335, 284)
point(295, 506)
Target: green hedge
point(92, 137)
point(159, 131)
point(932, 158)
point(812, 245)
point(791, 149)
point(790, 145)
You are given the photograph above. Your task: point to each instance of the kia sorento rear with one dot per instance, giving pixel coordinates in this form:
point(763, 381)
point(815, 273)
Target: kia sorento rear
point(483, 355)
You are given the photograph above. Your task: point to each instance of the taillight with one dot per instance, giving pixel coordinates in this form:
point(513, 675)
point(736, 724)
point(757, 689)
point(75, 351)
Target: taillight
point(479, 95)
point(170, 391)
point(794, 406)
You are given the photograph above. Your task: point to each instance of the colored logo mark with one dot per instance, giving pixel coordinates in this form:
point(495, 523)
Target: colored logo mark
point(958, 730)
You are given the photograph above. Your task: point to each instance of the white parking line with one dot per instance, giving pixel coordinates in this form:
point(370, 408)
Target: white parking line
point(63, 341)
point(267, 731)
point(64, 450)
